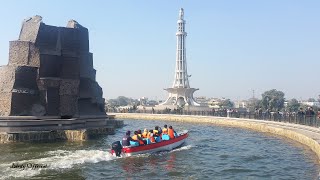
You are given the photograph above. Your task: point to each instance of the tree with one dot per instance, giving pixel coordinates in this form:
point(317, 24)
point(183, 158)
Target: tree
point(122, 101)
point(112, 102)
point(273, 100)
point(293, 105)
point(311, 100)
point(226, 103)
point(253, 103)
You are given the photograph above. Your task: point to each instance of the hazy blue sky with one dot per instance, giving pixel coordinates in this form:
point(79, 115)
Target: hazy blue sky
point(233, 46)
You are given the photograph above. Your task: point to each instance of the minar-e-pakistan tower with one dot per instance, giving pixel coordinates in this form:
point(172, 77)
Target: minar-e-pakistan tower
point(181, 94)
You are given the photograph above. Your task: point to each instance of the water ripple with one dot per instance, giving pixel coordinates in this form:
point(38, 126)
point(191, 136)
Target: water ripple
point(209, 153)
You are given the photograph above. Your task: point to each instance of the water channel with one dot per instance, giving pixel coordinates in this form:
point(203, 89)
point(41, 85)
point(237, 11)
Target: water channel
point(211, 152)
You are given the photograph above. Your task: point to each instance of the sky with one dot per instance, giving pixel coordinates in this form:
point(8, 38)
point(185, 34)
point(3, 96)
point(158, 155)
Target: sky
point(233, 47)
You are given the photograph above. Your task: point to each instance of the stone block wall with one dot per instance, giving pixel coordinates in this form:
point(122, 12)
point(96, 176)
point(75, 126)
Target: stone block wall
point(25, 92)
point(18, 53)
point(51, 99)
point(50, 65)
point(47, 38)
point(69, 105)
point(50, 72)
point(25, 78)
point(34, 55)
point(69, 87)
point(23, 53)
point(5, 103)
point(22, 104)
point(86, 65)
point(85, 88)
point(45, 83)
point(18, 90)
point(70, 68)
point(30, 28)
point(82, 35)
point(7, 77)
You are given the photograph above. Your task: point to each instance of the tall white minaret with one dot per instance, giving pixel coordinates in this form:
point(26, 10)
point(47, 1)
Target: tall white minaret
point(180, 94)
point(181, 73)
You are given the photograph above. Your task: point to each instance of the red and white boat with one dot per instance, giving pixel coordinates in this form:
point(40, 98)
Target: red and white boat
point(164, 145)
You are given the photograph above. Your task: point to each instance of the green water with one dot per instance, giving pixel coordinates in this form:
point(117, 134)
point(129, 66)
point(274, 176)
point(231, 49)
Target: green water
point(210, 152)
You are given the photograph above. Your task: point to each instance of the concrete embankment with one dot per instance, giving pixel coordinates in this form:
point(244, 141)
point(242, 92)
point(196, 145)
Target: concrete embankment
point(31, 128)
point(306, 135)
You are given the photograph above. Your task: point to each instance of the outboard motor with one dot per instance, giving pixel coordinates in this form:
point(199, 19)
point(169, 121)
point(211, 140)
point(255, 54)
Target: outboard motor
point(117, 147)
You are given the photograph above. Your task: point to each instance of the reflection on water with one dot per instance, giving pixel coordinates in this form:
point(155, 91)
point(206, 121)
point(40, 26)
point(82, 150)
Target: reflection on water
point(209, 153)
point(170, 162)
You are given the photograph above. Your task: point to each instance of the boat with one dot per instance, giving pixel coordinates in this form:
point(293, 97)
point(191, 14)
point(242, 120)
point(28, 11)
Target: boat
point(164, 145)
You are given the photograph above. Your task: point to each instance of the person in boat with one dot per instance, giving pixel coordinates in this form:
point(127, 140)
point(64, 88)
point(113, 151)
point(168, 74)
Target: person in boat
point(150, 136)
point(160, 130)
point(137, 138)
point(139, 133)
point(145, 133)
point(156, 131)
point(126, 139)
point(164, 135)
point(171, 132)
point(165, 129)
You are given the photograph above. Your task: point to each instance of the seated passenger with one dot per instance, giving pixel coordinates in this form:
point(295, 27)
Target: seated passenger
point(150, 137)
point(156, 131)
point(165, 137)
point(145, 133)
point(160, 131)
point(171, 132)
point(139, 133)
point(158, 139)
point(126, 139)
point(137, 138)
point(165, 129)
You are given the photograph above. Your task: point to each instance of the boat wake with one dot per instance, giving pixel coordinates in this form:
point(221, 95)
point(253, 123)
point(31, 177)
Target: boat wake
point(163, 153)
point(59, 159)
point(182, 148)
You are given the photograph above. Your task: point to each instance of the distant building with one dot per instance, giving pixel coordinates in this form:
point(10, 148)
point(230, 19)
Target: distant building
point(201, 99)
point(241, 104)
point(214, 103)
point(314, 103)
point(143, 101)
point(146, 102)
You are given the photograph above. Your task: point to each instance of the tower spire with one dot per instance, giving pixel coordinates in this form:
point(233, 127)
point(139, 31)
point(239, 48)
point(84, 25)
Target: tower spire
point(181, 94)
point(181, 73)
point(181, 14)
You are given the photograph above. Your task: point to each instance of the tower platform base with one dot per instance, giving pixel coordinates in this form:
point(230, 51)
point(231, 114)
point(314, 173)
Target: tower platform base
point(181, 97)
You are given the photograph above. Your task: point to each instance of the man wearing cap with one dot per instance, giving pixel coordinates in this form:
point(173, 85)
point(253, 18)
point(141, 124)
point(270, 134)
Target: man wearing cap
point(126, 139)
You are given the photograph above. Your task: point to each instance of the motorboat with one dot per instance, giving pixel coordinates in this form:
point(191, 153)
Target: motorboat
point(164, 145)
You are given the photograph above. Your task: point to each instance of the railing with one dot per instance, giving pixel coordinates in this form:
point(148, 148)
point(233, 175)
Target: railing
point(289, 117)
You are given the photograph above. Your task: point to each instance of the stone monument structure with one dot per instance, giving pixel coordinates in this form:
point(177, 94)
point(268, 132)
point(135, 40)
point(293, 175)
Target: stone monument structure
point(48, 89)
point(50, 73)
point(180, 94)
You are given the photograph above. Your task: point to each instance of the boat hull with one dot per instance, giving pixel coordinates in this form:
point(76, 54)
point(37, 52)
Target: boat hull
point(165, 145)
